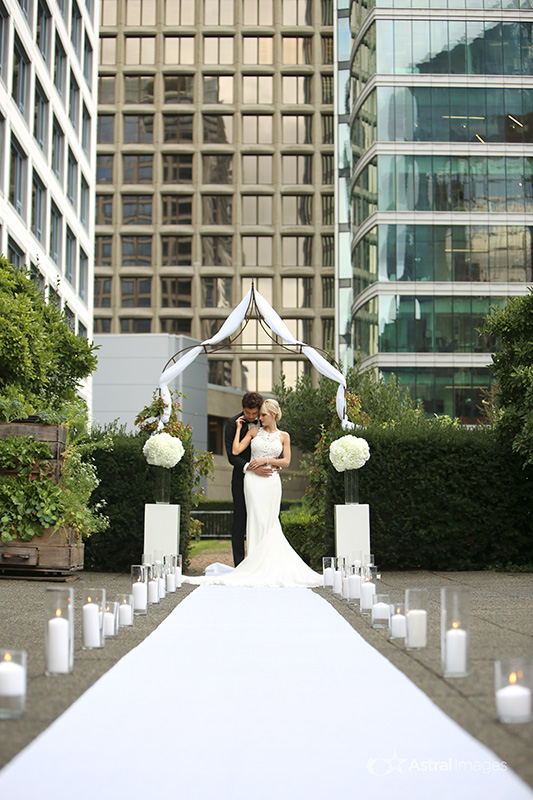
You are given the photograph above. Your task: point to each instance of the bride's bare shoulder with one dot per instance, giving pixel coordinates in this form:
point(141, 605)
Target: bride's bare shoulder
point(284, 434)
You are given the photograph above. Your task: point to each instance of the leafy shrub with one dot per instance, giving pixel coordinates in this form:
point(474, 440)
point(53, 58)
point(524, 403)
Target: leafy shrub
point(305, 534)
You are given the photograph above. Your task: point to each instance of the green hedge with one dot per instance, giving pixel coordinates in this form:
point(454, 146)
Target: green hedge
point(441, 498)
point(127, 482)
point(306, 534)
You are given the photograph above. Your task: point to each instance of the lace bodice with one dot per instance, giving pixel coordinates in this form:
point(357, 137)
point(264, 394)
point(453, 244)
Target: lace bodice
point(266, 445)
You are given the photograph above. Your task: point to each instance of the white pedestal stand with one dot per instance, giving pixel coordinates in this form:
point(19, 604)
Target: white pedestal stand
point(161, 529)
point(352, 529)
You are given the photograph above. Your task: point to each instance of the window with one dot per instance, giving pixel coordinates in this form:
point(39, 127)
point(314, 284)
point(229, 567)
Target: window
point(263, 286)
point(42, 31)
point(72, 178)
point(58, 143)
point(136, 251)
point(104, 209)
point(297, 169)
point(140, 12)
point(327, 129)
point(176, 292)
point(37, 277)
point(218, 50)
point(138, 128)
point(217, 168)
point(177, 168)
point(297, 50)
point(327, 12)
point(102, 292)
point(328, 251)
point(218, 128)
point(328, 291)
point(217, 209)
point(15, 254)
point(3, 38)
point(300, 328)
point(83, 275)
point(256, 376)
point(218, 12)
point(56, 231)
point(75, 27)
point(136, 292)
point(103, 250)
point(215, 435)
point(297, 12)
point(74, 102)
point(17, 176)
point(177, 209)
point(137, 168)
point(176, 251)
point(88, 62)
point(102, 325)
point(179, 88)
point(135, 325)
point(327, 168)
point(257, 169)
point(296, 88)
point(60, 66)
point(179, 50)
point(179, 12)
point(293, 370)
point(297, 251)
point(106, 128)
point(70, 257)
point(328, 209)
point(257, 49)
point(177, 128)
point(216, 292)
point(106, 89)
point(138, 89)
point(217, 251)
point(82, 330)
point(53, 298)
point(140, 50)
point(20, 75)
point(108, 13)
point(84, 202)
point(257, 89)
point(38, 203)
point(256, 209)
point(297, 129)
point(40, 115)
point(327, 88)
point(85, 129)
point(257, 129)
point(70, 318)
point(327, 49)
point(177, 325)
point(108, 51)
point(218, 89)
point(297, 209)
point(257, 251)
point(296, 292)
point(137, 209)
point(257, 12)
point(104, 168)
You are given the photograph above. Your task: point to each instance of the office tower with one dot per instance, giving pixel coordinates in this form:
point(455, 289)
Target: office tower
point(48, 148)
point(215, 168)
point(442, 187)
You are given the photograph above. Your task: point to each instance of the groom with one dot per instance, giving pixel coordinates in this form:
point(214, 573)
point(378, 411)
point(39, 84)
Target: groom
point(251, 403)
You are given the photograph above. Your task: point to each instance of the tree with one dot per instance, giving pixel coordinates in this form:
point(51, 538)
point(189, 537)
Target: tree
point(512, 366)
point(42, 361)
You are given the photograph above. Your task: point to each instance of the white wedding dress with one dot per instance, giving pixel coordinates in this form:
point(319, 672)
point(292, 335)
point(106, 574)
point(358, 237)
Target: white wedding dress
point(271, 561)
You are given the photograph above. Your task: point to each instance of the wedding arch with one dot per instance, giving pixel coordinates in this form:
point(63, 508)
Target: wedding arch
point(253, 306)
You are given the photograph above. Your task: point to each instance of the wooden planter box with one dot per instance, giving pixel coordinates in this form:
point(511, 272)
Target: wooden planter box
point(54, 435)
point(54, 552)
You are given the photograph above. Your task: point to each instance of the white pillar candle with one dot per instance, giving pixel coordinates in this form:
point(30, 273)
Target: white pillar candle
point(354, 587)
point(162, 591)
point(367, 591)
point(337, 582)
point(109, 623)
point(345, 587)
point(91, 625)
point(456, 644)
point(514, 703)
point(380, 612)
point(125, 614)
point(397, 626)
point(178, 576)
point(153, 591)
point(12, 683)
point(140, 595)
point(328, 578)
point(417, 628)
point(58, 650)
point(171, 582)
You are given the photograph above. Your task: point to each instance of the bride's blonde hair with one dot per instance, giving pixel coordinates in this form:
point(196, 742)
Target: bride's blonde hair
point(271, 407)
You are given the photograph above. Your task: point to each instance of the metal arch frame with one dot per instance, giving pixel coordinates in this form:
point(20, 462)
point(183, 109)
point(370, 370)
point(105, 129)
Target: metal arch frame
point(252, 313)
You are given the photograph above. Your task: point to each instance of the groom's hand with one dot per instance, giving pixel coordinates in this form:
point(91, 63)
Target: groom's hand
point(264, 470)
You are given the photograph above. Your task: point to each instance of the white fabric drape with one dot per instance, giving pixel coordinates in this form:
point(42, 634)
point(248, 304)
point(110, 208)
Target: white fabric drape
point(278, 327)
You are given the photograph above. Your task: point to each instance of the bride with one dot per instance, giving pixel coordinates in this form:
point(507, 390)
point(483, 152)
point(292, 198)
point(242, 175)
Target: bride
point(270, 560)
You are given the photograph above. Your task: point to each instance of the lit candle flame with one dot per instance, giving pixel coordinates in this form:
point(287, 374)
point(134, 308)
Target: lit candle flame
point(58, 612)
point(456, 625)
point(7, 657)
point(512, 678)
point(89, 599)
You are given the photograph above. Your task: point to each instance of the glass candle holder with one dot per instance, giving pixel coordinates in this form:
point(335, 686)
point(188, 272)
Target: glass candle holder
point(368, 590)
point(416, 616)
point(93, 619)
point(13, 670)
point(126, 607)
point(153, 584)
point(513, 679)
point(455, 631)
point(146, 558)
point(111, 619)
point(345, 579)
point(328, 569)
point(139, 588)
point(176, 561)
point(380, 611)
point(368, 560)
point(354, 584)
point(58, 631)
point(161, 578)
point(170, 577)
point(397, 621)
point(337, 575)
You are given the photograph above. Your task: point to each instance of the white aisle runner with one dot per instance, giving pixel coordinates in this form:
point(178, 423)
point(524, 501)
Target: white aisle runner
point(256, 694)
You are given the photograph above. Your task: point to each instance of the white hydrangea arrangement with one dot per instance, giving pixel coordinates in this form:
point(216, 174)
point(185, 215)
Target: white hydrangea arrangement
point(349, 452)
point(163, 450)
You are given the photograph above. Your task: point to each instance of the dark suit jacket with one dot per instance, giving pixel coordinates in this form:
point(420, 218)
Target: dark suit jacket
point(239, 461)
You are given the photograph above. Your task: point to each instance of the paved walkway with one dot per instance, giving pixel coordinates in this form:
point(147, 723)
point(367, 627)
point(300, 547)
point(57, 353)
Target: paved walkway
point(502, 626)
